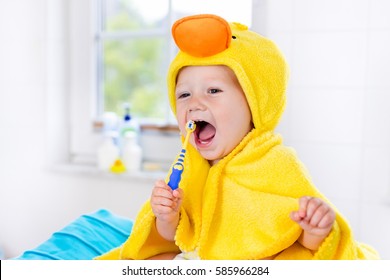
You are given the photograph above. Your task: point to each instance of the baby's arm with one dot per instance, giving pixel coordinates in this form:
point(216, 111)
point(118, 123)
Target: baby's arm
point(165, 205)
point(316, 218)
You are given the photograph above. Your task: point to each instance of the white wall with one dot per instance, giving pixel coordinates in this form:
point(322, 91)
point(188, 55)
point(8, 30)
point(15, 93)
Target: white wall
point(337, 116)
point(35, 200)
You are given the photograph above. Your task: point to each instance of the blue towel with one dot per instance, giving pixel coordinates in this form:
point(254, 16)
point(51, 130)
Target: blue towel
point(87, 237)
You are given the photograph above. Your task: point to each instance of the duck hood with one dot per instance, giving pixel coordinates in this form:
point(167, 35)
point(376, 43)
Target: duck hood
point(256, 61)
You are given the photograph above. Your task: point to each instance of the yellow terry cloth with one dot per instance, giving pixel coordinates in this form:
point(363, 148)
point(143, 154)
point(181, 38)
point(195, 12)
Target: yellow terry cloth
point(239, 208)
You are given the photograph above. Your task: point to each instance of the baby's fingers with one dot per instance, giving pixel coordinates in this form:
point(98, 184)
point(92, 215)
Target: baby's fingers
point(305, 203)
point(161, 190)
point(313, 205)
point(327, 219)
point(320, 217)
point(161, 210)
point(178, 193)
point(161, 200)
point(294, 215)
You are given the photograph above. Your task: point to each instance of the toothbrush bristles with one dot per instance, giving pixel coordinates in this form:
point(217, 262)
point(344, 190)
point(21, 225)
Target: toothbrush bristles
point(191, 125)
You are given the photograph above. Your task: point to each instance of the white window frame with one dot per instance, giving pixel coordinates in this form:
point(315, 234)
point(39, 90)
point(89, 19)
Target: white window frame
point(82, 76)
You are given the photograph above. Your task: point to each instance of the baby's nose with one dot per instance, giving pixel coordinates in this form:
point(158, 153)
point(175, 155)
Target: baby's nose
point(202, 35)
point(196, 104)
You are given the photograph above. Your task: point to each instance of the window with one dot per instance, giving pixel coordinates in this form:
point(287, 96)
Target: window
point(133, 43)
point(120, 51)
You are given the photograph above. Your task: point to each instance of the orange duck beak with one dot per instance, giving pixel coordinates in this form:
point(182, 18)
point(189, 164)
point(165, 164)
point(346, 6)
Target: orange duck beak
point(202, 35)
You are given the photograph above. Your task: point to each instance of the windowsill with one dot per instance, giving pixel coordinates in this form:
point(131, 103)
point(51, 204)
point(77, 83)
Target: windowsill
point(92, 171)
point(159, 144)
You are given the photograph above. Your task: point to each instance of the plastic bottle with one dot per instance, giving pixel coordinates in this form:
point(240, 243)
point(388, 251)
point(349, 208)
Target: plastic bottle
point(132, 152)
point(129, 123)
point(107, 152)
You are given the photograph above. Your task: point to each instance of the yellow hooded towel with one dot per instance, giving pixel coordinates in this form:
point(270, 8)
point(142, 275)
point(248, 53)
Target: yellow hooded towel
point(239, 208)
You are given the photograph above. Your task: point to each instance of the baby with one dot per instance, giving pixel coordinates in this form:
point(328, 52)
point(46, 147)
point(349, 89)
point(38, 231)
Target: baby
point(213, 98)
point(243, 194)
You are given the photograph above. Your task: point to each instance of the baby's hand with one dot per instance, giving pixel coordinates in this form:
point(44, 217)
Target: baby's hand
point(314, 216)
point(165, 202)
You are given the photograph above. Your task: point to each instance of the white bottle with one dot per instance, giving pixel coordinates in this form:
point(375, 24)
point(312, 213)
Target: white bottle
point(128, 123)
point(107, 152)
point(132, 152)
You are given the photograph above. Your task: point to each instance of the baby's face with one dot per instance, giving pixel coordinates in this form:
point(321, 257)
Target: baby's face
point(213, 98)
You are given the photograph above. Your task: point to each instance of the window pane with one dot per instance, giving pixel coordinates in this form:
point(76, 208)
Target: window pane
point(128, 15)
point(134, 72)
point(134, 57)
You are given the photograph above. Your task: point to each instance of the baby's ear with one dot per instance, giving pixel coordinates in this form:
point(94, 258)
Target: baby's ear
point(202, 35)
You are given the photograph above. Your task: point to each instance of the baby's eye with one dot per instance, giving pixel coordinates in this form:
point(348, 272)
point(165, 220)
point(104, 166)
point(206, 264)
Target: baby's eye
point(183, 95)
point(214, 90)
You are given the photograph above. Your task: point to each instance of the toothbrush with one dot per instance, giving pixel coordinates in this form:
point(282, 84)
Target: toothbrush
point(178, 167)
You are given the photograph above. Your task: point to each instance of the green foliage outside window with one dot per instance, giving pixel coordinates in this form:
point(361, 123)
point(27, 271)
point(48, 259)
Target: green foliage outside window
point(134, 68)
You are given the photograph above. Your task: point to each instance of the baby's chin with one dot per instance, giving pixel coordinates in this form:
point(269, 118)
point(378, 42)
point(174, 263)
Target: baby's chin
point(210, 157)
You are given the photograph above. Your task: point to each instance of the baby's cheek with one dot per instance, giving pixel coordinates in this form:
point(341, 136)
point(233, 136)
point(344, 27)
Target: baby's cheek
point(181, 120)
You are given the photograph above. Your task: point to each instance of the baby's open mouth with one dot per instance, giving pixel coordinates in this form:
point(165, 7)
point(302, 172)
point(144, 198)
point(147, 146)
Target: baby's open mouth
point(204, 132)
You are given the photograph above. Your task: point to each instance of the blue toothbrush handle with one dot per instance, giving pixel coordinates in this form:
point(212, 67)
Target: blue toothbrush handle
point(178, 167)
point(175, 177)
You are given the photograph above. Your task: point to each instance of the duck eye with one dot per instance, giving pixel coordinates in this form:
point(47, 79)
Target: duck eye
point(234, 37)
